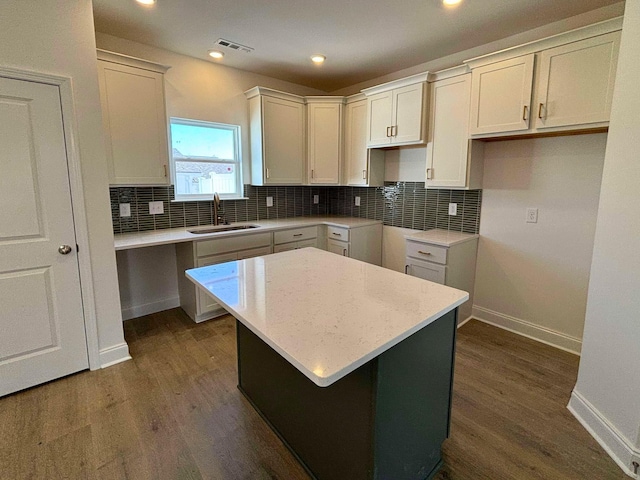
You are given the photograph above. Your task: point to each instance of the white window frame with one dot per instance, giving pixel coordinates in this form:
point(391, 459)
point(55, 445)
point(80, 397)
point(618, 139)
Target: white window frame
point(237, 160)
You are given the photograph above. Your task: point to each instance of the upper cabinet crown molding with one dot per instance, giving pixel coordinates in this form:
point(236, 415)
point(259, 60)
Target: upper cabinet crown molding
point(402, 82)
point(356, 97)
point(333, 99)
point(449, 73)
point(136, 62)
point(600, 28)
point(268, 92)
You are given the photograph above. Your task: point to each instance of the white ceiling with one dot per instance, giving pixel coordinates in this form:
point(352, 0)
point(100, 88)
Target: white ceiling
point(362, 39)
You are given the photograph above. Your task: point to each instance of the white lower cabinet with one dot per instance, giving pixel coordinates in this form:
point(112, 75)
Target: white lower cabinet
point(197, 304)
point(294, 238)
point(454, 266)
point(362, 243)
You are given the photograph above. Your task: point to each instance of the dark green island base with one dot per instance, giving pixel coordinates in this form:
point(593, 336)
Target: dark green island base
point(384, 421)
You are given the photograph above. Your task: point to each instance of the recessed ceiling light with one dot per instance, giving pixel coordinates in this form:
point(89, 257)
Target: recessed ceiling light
point(146, 2)
point(215, 54)
point(318, 58)
point(450, 3)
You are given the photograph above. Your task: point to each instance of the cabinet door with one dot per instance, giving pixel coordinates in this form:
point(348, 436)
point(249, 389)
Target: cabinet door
point(325, 142)
point(338, 247)
point(355, 143)
point(254, 252)
point(285, 247)
point(283, 141)
point(135, 124)
point(575, 82)
point(379, 119)
point(408, 125)
point(427, 271)
point(501, 96)
point(447, 150)
point(207, 304)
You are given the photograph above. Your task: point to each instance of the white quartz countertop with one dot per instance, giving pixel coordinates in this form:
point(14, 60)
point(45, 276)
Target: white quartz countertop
point(445, 238)
point(125, 241)
point(324, 313)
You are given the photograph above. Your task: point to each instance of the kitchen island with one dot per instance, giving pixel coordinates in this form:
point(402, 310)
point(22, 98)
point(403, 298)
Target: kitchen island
point(351, 364)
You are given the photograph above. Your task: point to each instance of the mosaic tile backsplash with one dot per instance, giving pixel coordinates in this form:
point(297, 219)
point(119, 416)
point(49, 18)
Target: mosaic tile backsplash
point(398, 204)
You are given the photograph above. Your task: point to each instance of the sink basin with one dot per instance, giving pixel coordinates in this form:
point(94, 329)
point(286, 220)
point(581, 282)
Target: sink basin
point(222, 228)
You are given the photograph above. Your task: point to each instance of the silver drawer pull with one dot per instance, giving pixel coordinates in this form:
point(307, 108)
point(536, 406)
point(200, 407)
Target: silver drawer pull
point(337, 234)
point(297, 234)
point(424, 253)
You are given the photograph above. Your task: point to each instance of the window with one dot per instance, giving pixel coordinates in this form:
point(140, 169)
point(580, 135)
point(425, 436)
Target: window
point(205, 159)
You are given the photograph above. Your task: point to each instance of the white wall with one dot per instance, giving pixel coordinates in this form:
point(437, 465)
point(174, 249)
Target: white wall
point(203, 90)
point(607, 396)
point(57, 37)
point(533, 277)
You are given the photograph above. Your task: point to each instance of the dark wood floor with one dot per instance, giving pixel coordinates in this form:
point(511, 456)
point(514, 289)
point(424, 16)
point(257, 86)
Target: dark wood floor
point(174, 413)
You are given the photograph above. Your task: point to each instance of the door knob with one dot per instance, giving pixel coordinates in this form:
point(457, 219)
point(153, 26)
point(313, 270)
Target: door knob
point(64, 249)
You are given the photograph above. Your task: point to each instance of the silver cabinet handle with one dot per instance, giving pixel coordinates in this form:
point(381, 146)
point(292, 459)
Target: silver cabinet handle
point(424, 253)
point(337, 234)
point(524, 113)
point(297, 234)
point(64, 249)
point(311, 173)
point(540, 110)
point(267, 173)
point(406, 268)
point(429, 173)
point(388, 134)
point(364, 174)
point(394, 131)
point(344, 252)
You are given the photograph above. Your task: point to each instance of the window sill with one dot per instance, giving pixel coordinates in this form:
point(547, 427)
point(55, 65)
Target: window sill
point(206, 199)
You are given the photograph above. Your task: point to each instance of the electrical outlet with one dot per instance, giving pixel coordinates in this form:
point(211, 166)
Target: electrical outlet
point(357, 201)
point(316, 199)
point(125, 209)
point(269, 201)
point(453, 209)
point(532, 215)
point(156, 208)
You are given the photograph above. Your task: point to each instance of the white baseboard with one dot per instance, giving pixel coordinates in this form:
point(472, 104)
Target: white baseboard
point(612, 441)
point(112, 355)
point(464, 321)
point(136, 311)
point(527, 329)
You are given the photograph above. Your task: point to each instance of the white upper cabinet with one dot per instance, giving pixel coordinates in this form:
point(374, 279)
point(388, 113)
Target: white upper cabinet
point(575, 82)
point(324, 139)
point(277, 131)
point(397, 112)
point(571, 85)
point(501, 96)
point(363, 166)
point(134, 119)
point(453, 161)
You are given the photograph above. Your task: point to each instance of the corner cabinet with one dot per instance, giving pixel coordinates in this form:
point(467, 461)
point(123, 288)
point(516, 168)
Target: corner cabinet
point(324, 139)
point(277, 133)
point(363, 166)
point(396, 112)
point(453, 161)
point(134, 119)
point(574, 78)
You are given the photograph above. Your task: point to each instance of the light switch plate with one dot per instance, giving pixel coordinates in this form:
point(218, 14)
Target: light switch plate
point(156, 208)
point(532, 215)
point(316, 199)
point(453, 209)
point(357, 201)
point(125, 209)
point(269, 201)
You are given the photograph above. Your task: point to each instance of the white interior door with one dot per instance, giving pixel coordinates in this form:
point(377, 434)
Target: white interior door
point(41, 317)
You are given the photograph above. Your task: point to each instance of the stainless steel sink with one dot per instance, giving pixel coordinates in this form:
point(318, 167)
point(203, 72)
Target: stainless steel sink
point(222, 228)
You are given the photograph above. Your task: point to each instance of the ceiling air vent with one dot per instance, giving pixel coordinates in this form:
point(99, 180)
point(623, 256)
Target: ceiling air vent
point(233, 46)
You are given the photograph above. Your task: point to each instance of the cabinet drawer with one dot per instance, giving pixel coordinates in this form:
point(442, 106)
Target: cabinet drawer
point(427, 271)
point(426, 251)
point(254, 252)
point(312, 242)
point(232, 244)
point(294, 234)
point(338, 233)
